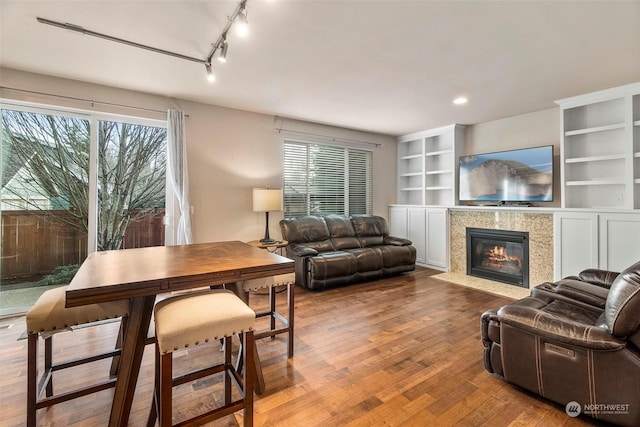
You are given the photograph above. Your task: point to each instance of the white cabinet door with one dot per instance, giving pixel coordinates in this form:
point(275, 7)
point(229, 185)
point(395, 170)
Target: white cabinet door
point(417, 232)
point(398, 221)
point(437, 239)
point(576, 243)
point(428, 230)
point(619, 240)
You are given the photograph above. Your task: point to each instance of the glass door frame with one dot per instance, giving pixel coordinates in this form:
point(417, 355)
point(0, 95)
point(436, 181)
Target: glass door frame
point(93, 118)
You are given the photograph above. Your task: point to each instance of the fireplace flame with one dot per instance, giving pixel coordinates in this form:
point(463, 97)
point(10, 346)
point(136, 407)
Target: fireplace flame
point(498, 254)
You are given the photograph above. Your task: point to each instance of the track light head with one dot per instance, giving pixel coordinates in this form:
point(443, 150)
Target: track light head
point(210, 75)
point(224, 46)
point(242, 23)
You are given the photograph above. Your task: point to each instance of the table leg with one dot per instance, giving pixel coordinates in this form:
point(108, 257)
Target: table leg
point(131, 358)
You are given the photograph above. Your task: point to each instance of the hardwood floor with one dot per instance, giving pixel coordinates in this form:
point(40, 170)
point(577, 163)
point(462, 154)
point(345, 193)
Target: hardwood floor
point(400, 351)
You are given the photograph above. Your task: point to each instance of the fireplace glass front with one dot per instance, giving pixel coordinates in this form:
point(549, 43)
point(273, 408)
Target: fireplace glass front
point(500, 255)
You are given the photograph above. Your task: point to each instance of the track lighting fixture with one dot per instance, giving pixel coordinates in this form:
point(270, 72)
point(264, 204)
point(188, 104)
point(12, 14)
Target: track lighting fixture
point(222, 56)
point(242, 23)
point(210, 75)
point(238, 17)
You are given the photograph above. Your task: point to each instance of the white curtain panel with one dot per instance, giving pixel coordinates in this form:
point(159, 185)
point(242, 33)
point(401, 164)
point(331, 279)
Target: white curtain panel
point(179, 173)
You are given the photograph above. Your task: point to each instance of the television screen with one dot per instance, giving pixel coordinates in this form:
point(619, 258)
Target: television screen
point(524, 175)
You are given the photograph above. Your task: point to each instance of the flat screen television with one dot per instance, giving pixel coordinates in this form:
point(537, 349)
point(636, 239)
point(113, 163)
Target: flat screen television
point(515, 176)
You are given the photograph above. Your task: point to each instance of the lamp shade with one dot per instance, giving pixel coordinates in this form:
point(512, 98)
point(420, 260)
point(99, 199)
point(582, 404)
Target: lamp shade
point(267, 199)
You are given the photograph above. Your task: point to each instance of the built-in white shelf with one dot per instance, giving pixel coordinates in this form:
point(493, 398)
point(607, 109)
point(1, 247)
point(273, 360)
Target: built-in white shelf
point(602, 181)
point(438, 153)
point(595, 129)
point(600, 137)
point(595, 158)
point(427, 162)
point(411, 156)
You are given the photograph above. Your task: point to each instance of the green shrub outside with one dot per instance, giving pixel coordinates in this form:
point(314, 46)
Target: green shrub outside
point(60, 275)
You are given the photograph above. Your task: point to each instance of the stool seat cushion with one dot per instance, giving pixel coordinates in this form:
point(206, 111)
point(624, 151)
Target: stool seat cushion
point(268, 282)
point(49, 313)
point(196, 318)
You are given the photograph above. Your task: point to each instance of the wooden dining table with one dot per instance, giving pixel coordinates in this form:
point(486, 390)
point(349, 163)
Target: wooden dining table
point(140, 274)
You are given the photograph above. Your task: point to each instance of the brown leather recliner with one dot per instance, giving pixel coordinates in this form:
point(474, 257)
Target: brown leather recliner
point(576, 340)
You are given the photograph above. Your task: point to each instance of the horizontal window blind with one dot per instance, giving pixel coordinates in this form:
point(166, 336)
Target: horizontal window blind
point(325, 179)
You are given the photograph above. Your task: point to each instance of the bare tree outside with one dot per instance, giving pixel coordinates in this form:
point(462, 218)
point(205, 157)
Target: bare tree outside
point(131, 177)
point(46, 167)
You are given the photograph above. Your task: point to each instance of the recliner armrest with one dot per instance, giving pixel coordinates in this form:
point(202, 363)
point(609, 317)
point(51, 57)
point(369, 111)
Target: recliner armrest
point(396, 241)
point(598, 277)
point(574, 290)
point(538, 322)
point(301, 250)
point(488, 319)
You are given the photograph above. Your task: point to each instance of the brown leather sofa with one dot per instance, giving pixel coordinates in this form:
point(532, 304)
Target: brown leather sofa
point(575, 342)
point(336, 250)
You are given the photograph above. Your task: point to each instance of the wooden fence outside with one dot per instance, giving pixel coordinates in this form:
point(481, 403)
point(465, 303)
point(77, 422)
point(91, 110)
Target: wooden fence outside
point(34, 242)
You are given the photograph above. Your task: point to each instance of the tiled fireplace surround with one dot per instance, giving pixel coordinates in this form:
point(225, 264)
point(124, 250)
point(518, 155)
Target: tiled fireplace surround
point(538, 225)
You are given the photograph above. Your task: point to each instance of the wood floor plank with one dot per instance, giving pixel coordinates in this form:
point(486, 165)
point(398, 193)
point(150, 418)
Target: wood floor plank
point(403, 351)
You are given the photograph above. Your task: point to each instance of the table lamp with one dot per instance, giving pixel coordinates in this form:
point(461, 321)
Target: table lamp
point(266, 200)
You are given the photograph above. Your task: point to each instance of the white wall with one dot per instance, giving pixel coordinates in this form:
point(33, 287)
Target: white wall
point(229, 151)
point(523, 131)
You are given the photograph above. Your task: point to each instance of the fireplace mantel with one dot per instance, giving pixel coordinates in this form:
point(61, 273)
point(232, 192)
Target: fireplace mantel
point(563, 241)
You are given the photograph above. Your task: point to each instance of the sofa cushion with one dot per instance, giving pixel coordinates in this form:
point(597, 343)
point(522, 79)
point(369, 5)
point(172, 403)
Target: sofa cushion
point(598, 277)
point(343, 236)
point(327, 265)
point(394, 256)
point(304, 229)
point(623, 303)
point(371, 230)
point(367, 259)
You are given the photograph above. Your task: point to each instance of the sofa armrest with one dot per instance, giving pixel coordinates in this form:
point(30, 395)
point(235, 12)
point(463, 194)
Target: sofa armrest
point(598, 277)
point(301, 250)
point(543, 324)
point(396, 241)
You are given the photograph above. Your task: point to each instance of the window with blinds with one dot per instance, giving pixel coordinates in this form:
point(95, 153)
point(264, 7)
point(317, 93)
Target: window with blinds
point(325, 179)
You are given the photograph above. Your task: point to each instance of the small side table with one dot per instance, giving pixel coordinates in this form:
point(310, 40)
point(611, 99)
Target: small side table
point(271, 247)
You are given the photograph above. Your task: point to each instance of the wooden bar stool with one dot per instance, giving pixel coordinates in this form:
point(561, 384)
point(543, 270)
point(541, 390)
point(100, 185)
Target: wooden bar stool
point(191, 319)
point(49, 316)
point(272, 283)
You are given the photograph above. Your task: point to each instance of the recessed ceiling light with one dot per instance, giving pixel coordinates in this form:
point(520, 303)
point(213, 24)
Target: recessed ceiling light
point(460, 100)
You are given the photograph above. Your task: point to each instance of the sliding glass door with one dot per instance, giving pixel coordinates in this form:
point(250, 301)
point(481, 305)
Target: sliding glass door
point(72, 184)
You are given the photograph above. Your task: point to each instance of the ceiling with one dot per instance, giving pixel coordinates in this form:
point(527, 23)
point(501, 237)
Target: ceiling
point(391, 67)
